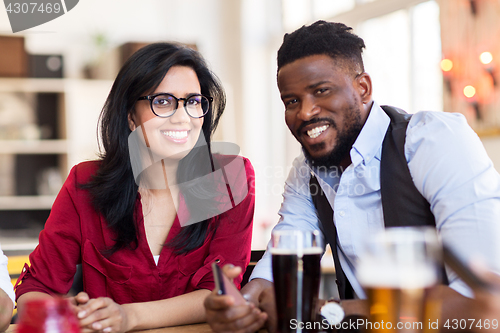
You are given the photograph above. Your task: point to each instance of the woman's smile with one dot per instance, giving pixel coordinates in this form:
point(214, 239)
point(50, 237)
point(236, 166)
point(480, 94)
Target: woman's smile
point(177, 136)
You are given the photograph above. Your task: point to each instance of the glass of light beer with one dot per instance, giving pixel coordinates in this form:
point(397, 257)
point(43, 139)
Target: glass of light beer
point(397, 270)
point(296, 257)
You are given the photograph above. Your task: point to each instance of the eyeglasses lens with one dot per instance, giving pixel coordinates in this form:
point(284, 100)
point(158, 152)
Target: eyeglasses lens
point(197, 106)
point(166, 105)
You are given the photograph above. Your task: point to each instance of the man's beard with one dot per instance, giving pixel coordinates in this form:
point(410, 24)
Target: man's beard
point(345, 139)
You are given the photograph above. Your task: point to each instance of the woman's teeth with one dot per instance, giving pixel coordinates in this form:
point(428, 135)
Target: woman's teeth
point(315, 132)
point(176, 134)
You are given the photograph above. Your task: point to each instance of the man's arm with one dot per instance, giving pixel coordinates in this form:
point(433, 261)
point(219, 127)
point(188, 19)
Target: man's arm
point(297, 212)
point(451, 169)
point(486, 311)
point(453, 305)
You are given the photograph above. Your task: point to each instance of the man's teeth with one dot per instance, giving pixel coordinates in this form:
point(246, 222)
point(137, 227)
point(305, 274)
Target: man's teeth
point(176, 134)
point(315, 132)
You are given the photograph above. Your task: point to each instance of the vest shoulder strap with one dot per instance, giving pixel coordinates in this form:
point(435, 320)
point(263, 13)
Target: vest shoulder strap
point(402, 203)
point(325, 215)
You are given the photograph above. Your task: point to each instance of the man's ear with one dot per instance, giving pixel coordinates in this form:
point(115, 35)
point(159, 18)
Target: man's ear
point(364, 84)
point(131, 122)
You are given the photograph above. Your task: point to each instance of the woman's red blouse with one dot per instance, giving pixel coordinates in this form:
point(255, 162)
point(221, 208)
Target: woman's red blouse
point(76, 234)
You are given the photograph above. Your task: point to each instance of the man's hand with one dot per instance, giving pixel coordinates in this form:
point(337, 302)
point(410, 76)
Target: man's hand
point(488, 302)
point(224, 316)
point(267, 303)
point(356, 307)
point(102, 315)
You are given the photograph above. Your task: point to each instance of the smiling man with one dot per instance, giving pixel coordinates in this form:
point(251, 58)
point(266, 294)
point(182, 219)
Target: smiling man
point(313, 83)
point(376, 167)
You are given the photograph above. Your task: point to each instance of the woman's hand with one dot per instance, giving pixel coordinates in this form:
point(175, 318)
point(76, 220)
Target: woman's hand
point(103, 315)
point(80, 299)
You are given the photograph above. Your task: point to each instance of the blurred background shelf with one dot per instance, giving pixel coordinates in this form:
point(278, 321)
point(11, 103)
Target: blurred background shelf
point(35, 202)
point(18, 245)
point(47, 125)
point(32, 85)
point(33, 146)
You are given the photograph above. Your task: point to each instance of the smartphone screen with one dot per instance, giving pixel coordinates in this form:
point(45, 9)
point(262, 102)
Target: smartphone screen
point(224, 286)
point(219, 283)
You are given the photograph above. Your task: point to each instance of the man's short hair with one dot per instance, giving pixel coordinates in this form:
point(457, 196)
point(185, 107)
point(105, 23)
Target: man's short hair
point(333, 39)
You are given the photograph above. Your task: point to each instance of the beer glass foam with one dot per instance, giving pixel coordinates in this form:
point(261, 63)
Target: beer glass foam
point(391, 275)
point(397, 271)
point(306, 251)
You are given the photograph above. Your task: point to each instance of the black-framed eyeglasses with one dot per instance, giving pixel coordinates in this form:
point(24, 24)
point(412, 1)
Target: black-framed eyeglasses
point(164, 105)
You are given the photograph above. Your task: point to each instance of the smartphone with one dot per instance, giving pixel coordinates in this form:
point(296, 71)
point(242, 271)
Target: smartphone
point(463, 271)
point(224, 286)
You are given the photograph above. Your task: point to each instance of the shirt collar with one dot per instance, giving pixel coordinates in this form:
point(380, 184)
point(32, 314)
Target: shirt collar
point(369, 141)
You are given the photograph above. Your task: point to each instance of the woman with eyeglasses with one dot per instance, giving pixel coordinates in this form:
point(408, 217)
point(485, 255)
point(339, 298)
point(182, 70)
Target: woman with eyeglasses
point(147, 220)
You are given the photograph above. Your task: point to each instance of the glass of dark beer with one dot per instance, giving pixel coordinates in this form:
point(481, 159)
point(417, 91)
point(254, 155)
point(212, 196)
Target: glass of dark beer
point(296, 257)
point(397, 270)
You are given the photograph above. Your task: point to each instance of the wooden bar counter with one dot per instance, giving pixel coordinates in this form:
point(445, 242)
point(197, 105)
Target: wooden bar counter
point(196, 328)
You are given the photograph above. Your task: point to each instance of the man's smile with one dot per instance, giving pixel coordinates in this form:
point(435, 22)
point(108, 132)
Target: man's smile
point(313, 133)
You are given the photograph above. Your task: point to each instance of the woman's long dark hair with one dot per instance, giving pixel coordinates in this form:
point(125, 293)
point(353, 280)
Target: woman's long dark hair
point(113, 188)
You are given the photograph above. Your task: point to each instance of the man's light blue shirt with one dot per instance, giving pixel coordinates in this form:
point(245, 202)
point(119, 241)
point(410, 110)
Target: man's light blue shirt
point(449, 166)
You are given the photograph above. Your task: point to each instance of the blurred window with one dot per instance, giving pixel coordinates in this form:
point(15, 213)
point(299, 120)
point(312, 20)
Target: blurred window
point(403, 45)
point(403, 51)
point(299, 12)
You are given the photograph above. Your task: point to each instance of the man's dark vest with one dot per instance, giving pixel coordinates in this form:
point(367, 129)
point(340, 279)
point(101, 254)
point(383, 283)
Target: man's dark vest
point(402, 203)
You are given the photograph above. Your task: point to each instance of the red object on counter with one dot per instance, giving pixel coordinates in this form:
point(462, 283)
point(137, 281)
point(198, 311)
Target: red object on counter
point(48, 316)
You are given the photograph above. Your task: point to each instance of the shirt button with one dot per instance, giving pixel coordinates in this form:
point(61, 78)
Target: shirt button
point(342, 213)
